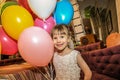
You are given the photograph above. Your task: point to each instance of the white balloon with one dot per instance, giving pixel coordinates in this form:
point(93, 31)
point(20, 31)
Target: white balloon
point(42, 8)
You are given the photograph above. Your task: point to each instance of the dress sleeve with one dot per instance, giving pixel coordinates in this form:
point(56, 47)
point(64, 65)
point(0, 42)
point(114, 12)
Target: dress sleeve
point(75, 55)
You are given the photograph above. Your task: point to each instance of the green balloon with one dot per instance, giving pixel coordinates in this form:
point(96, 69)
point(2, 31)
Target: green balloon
point(6, 4)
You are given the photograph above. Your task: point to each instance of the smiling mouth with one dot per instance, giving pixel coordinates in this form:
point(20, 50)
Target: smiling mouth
point(59, 45)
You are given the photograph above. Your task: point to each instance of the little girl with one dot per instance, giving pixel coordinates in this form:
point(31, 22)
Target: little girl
point(67, 62)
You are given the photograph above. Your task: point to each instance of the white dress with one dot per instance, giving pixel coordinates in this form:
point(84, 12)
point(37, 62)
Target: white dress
point(66, 66)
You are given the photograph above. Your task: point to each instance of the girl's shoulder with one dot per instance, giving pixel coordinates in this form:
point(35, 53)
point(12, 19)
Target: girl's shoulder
point(75, 52)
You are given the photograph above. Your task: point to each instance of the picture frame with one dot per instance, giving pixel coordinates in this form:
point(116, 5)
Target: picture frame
point(109, 23)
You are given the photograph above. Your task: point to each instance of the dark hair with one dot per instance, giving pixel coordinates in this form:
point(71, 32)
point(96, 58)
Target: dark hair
point(60, 27)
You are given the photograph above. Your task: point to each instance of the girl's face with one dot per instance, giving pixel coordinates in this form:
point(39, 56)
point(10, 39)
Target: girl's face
point(60, 39)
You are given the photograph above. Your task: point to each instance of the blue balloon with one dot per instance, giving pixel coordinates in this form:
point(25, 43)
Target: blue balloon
point(64, 0)
point(64, 12)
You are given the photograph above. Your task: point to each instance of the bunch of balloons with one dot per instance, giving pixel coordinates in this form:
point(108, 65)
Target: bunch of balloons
point(26, 26)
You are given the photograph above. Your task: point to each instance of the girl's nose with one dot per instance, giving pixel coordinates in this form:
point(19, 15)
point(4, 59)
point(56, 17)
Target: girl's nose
point(58, 40)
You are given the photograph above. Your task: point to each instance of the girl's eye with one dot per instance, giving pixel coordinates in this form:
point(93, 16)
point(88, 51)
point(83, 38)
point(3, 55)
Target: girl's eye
point(54, 37)
point(61, 36)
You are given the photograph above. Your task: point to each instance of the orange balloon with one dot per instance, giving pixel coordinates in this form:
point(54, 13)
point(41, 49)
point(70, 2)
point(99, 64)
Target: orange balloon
point(113, 39)
point(15, 19)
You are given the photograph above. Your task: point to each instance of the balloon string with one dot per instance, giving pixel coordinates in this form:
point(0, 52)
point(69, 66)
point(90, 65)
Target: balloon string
point(44, 21)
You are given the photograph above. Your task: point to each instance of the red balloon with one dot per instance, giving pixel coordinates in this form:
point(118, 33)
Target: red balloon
point(36, 46)
point(46, 25)
point(24, 3)
point(9, 46)
point(0, 47)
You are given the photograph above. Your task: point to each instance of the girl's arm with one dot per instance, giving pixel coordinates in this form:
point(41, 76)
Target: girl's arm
point(84, 67)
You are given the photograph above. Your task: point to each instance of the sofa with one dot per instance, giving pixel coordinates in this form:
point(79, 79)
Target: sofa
point(104, 63)
point(90, 47)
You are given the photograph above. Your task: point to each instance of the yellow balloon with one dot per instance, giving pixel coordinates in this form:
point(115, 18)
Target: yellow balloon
point(15, 19)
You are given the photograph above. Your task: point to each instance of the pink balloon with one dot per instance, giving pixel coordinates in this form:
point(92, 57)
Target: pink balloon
point(9, 46)
point(46, 25)
point(36, 46)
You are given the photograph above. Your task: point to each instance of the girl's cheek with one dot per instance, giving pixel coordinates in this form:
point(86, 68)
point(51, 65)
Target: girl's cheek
point(54, 41)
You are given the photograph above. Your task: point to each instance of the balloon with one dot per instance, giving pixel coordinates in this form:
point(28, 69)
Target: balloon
point(6, 4)
point(113, 39)
point(46, 25)
point(9, 46)
point(0, 47)
point(64, 12)
point(24, 3)
point(15, 19)
point(64, 0)
point(42, 8)
point(36, 46)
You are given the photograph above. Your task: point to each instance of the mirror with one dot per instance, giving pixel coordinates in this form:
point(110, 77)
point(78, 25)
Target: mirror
point(102, 16)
